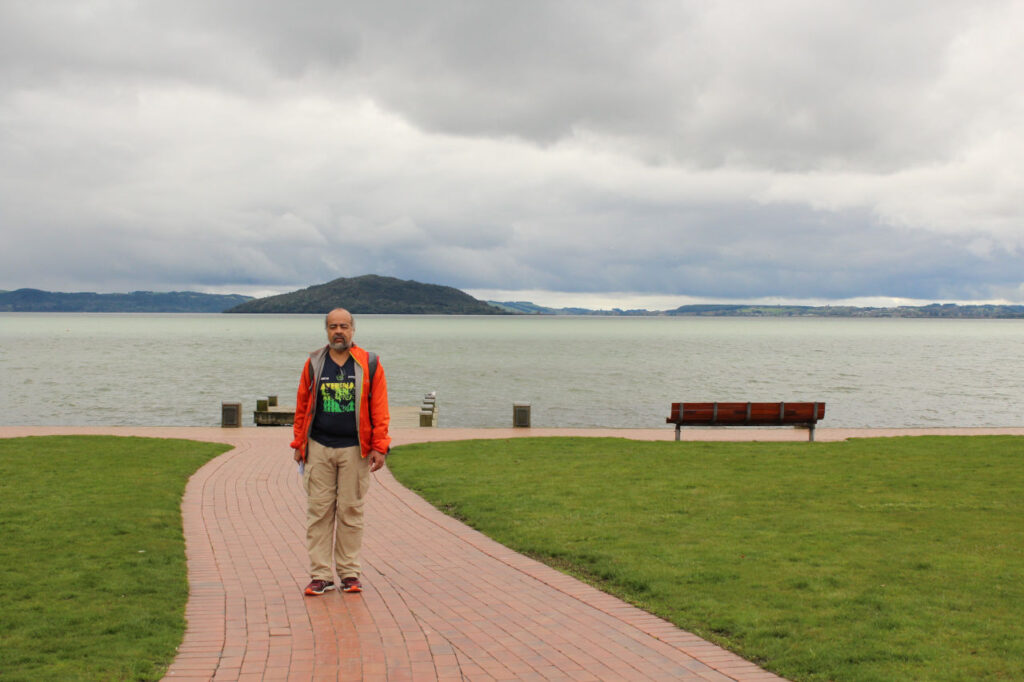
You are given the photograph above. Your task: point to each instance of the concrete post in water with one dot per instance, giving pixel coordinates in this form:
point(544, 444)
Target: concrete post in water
point(272, 401)
point(261, 405)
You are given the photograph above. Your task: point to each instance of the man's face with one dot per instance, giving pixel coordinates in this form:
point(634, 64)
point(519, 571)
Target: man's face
point(340, 329)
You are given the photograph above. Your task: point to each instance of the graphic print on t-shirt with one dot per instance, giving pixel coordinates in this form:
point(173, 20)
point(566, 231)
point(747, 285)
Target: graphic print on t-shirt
point(338, 394)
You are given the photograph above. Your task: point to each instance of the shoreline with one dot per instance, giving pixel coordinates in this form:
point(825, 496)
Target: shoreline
point(407, 435)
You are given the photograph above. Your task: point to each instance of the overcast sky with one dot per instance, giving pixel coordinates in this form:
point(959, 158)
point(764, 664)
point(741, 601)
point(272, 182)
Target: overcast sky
point(619, 152)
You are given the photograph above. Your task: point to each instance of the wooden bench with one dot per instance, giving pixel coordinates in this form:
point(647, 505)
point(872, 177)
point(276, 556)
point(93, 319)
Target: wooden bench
point(746, 414)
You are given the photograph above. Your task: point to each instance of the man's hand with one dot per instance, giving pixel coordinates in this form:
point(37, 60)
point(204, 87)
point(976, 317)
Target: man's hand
point(376, 460)
point(298, 455)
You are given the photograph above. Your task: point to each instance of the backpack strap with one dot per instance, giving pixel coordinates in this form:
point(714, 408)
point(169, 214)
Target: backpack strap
point(372, 361)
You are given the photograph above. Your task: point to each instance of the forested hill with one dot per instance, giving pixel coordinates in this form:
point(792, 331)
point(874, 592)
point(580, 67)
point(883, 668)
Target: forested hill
point(371, 294)
point(37, 301)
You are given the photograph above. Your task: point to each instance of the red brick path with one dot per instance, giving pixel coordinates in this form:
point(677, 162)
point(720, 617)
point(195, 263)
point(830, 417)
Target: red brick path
point(441, 601)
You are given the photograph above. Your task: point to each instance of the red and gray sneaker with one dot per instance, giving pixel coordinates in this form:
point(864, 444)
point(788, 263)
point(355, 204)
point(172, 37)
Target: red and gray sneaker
point(351, 585)
point(319, 587)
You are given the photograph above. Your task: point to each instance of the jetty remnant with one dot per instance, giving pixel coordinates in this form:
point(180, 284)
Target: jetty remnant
point(269, 413)
point(428, 411)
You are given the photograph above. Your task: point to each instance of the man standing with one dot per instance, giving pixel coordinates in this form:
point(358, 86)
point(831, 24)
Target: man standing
point(341, 436)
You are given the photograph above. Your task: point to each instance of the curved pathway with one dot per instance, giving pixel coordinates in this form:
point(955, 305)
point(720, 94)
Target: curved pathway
point(440, 601)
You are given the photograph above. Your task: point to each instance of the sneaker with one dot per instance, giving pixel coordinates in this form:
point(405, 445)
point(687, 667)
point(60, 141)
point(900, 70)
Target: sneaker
point(351, 585)
point(319, 587)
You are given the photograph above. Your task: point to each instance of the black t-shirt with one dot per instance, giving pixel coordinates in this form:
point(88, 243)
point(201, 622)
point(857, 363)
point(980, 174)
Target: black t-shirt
point(335, 422)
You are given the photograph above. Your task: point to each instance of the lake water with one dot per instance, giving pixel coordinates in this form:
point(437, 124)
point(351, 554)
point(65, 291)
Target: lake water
point(143, 369)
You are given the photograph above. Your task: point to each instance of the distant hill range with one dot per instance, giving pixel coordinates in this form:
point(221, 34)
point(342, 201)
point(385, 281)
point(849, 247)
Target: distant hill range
point(934, 310)
point(37, 301)
point(372, 294)
point(528, 308)
point(945, 310)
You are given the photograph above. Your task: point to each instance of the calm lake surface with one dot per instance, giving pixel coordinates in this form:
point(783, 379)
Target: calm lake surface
point(169, 369)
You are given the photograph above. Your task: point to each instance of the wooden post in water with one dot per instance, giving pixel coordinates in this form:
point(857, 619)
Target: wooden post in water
point(521, 415)
point(231, 415)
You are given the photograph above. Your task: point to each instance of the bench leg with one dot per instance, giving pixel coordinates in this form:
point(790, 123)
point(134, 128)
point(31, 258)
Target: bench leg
point(678, 427)
point(810, 434)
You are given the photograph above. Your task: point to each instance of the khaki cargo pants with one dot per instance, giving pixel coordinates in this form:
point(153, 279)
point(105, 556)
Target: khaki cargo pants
point(336, 481)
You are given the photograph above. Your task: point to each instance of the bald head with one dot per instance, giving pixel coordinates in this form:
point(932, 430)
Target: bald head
point(342, 311)
point(340, 328)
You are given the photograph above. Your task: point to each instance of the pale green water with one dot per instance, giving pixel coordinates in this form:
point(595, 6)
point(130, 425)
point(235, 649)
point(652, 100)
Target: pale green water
point(622, 372)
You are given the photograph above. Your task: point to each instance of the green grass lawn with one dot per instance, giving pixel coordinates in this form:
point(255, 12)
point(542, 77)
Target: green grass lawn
point(92, 562)
point(872, 559)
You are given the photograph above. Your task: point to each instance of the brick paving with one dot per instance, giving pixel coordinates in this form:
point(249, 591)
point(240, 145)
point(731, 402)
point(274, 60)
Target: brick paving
point(440, 600)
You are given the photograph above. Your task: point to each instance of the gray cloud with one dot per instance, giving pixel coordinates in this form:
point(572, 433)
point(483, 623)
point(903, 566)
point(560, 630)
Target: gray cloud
point(722, 150)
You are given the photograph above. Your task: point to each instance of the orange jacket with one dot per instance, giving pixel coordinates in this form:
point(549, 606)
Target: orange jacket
point(374, 417)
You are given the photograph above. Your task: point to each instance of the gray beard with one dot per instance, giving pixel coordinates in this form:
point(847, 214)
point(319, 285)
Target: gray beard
point(341, 346)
